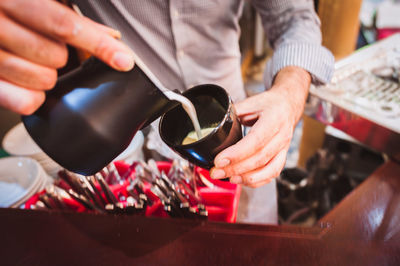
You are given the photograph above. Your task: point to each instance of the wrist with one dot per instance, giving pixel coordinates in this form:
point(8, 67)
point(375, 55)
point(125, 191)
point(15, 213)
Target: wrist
point(293, 83)
point(293, 77)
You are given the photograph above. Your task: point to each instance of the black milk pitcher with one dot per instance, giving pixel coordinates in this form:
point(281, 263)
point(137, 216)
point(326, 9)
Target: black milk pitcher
point(93, 112)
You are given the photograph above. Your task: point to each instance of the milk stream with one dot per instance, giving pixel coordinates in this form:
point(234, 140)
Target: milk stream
point(188, 107)
point(186, 104)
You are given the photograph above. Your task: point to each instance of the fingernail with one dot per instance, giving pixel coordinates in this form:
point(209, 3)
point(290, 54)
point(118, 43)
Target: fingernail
point(222, 163)
point(123, 61)
point(217, 174)
point(236, 179)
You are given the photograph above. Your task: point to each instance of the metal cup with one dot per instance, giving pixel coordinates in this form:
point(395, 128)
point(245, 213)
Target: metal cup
point(214, 109)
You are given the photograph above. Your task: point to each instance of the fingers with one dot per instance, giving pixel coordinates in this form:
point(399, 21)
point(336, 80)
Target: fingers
point(256, 139)
point(30, 45)
point(59, 22)
point(264, 174)
point(258, 159)
point(260, 155)
point(26, 74)
point(252, 106)
point(20, 100)
point(33, 40)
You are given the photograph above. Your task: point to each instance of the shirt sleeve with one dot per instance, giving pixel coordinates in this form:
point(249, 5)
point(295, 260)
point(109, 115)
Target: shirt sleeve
point(293, 31)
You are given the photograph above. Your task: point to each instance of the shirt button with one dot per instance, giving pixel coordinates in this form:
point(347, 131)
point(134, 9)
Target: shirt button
point(175, 14)
point(181, 53)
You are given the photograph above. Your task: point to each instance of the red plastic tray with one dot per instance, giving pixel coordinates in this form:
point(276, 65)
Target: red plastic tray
point(221, 201)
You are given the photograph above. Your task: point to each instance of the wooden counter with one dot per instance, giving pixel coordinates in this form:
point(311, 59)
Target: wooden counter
point(364, 229)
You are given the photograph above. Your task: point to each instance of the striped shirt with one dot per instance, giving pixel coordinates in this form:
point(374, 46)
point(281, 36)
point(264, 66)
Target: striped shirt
point(191, 42)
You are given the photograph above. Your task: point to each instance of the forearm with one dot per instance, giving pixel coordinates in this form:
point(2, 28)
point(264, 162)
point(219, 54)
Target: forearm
point(288, 21)
point(293, 30)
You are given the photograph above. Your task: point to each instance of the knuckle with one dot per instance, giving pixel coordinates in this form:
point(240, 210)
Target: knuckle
point(55, 54)
point(259, 139)
point(41, 78)
point(103, 48)
point(240, 168)
point(233, 170)
point(276, 172)
point(287, 137)
point(30, 103)
point(61, 58)
point(64, 27)
point(260, 160)
point(5, 3)
point(248, 180)
point(251, 180)
point(254, 185)
point(4, 21)
point(48, 79)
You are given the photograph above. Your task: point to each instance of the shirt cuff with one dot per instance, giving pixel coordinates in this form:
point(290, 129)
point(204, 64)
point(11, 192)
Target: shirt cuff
point(314, 58)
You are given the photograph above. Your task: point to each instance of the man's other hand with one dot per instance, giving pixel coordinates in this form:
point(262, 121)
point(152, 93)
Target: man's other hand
point(33, 40)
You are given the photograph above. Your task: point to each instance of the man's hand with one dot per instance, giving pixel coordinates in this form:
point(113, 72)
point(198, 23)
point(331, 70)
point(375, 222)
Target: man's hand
point(33, 40)
point(260, 156)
